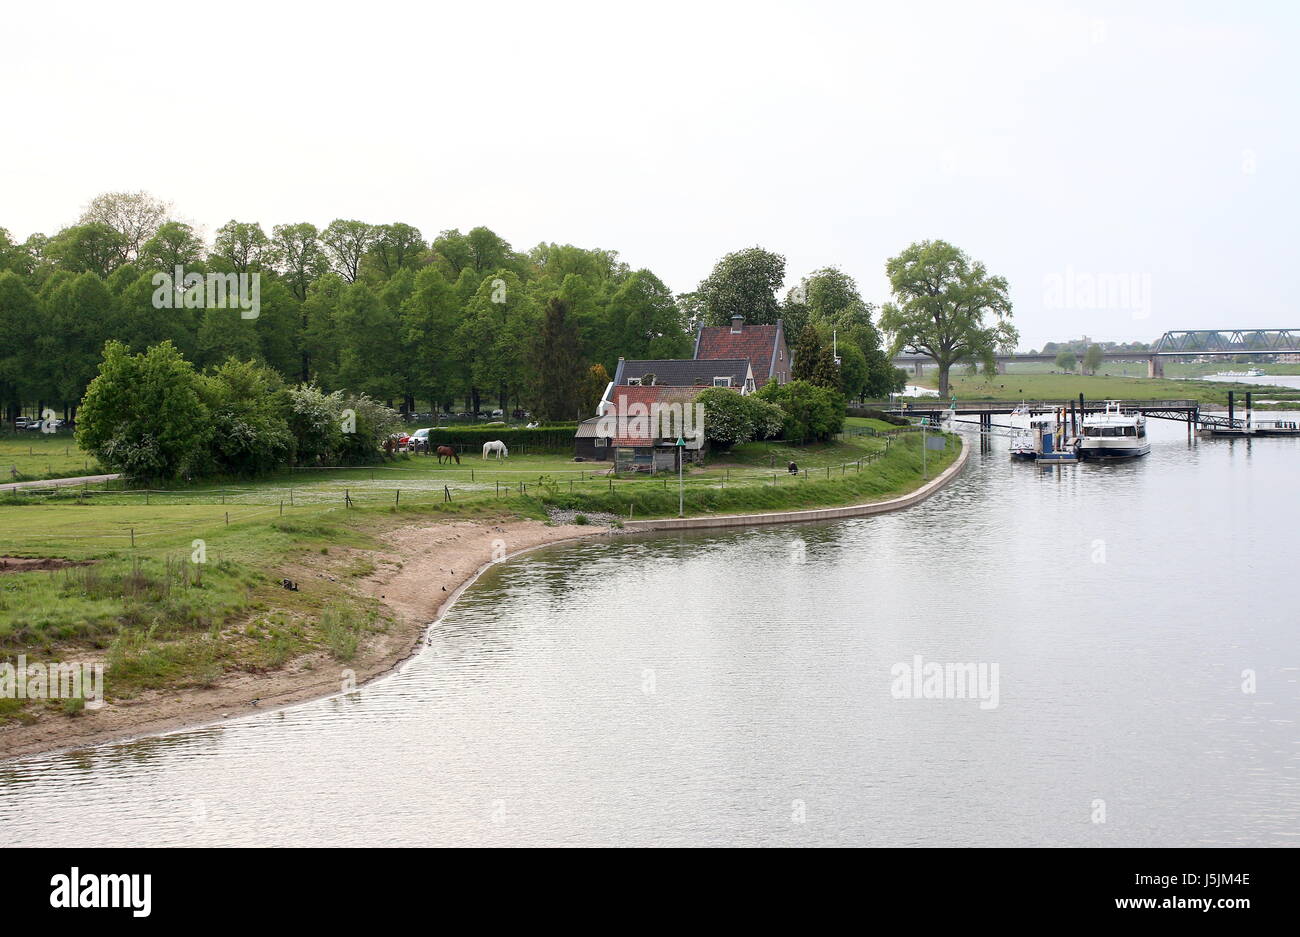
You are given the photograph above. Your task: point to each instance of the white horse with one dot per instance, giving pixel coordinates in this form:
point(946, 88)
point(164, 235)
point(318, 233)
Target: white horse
point(496, 446)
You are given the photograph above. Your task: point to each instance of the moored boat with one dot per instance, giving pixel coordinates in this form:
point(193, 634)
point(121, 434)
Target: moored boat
point(1113, 434)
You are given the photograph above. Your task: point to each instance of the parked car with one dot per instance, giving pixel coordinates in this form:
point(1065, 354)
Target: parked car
point(419, 440)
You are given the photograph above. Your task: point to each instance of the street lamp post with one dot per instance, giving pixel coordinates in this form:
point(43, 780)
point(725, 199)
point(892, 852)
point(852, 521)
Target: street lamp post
point(681, 451)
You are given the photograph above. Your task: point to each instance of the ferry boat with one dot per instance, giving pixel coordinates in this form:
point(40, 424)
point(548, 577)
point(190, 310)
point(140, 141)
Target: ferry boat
point(1113, 434)
point(1250, 372)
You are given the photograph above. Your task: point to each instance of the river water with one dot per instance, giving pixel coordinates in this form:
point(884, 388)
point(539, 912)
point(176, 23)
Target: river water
point(735, 688)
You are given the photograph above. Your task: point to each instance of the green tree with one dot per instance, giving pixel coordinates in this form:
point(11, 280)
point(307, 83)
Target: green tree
point(429, 319)
point(854, 374)
point(345, 243)
point(743, 283)
point(298, 256)
point(135, 216)
point(1092, 358)
point(395, 247)
point(946, 307)
point(20, 320)
point(812, 413)
point(240, 247)
point(81, 316)
point(366, 329)
point(808, 357)
point(1066, 361)
point(646, 319)
point(174, 244)
point(557, 363)
point(144, 416)
point(88, 248)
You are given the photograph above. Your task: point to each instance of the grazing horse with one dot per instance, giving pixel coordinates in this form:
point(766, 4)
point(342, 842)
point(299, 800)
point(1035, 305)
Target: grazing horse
point(447, 452)
point(496, 446)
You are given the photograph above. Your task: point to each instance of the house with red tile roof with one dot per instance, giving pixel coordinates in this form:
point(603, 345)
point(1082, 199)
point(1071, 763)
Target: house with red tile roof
point(637, 427)
point(764, 346)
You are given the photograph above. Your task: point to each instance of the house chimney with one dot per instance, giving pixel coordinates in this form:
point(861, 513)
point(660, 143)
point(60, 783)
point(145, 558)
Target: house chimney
point(737, 323)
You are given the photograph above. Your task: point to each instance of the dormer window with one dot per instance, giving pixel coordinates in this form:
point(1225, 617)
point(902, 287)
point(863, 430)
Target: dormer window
point(634, 382)
point(737, 324)
point(722, 382)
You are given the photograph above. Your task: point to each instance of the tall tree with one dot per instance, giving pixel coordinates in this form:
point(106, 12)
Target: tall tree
point(136, 216)
point(744, 283)
point(298, 255)
point(87, 248)
point(1092, 358)
point(558, 364)
point(174, 244)
point(240, 247)
point(395, 247)
point(345, 243)
point(646, 321)
point(947, 307)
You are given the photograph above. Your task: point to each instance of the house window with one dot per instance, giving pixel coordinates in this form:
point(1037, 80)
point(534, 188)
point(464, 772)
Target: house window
point(722, 382)
point(601, 442)
point(634, 382)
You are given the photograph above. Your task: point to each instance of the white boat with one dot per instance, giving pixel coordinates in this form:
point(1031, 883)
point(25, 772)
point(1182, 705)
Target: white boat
point(1113, 434)
point(1031, 441)
point(1250, 372)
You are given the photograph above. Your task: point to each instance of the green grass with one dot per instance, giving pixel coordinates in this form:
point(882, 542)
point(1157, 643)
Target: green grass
point(28, 456)
point(1179, 369)
point(1028, 386)
point(162, 621)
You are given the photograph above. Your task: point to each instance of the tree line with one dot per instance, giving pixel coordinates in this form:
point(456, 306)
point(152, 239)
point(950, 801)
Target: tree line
point(379, 310)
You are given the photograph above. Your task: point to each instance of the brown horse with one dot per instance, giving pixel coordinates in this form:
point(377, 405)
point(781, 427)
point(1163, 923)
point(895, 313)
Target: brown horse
point(449, 452)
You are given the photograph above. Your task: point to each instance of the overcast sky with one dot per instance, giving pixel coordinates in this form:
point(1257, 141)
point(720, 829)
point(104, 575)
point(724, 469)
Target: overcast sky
point(1057, 143)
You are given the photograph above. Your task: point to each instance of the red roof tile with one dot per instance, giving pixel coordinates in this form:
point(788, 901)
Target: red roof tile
point(756, 342)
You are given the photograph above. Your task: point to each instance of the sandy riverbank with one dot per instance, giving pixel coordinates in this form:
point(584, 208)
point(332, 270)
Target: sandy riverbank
point(418, 575)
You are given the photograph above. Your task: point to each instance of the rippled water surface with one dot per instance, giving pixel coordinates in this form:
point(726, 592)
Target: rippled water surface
point(735, 688)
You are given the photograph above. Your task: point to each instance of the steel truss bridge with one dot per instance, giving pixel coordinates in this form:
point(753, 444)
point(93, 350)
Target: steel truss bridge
point(1187, 343)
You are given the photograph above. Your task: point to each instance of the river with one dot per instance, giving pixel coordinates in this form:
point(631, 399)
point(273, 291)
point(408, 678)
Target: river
point(735, 688)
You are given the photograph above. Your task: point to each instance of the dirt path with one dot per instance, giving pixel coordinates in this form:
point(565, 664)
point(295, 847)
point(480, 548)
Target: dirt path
point(417, 579)
point(60, 482)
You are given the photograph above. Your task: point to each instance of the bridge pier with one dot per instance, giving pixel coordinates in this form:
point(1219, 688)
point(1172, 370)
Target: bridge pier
point(1155, 366)
point(1002, 366)
point(918, 367)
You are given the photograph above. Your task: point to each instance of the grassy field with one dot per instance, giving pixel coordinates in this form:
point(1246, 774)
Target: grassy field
point(1027, 386)
point(25, 456)
point(1172, 368)
point(159, 619)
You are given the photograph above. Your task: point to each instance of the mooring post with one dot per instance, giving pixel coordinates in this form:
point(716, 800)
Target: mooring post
point(1248, 413)
point(1231, 409)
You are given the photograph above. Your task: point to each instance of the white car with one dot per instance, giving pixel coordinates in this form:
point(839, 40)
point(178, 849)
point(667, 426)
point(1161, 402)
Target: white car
point(419, 440)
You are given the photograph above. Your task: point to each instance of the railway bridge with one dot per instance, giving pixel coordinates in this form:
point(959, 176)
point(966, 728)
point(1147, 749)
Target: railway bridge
point(1193, 343)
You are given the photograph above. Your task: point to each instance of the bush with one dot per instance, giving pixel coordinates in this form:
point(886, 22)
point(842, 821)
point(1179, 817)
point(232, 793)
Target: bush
point(731, 419)
point(812, 413)
point(143, 415)
point(580, 519)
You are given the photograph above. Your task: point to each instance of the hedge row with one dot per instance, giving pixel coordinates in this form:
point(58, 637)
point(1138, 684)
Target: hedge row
point(555, 437)
point(873, 414)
